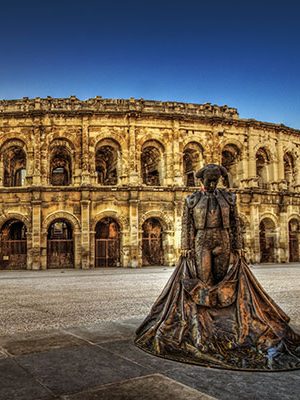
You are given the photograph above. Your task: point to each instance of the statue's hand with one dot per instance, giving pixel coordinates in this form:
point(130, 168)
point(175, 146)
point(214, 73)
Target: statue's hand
point(239, 252)
point(186, 253)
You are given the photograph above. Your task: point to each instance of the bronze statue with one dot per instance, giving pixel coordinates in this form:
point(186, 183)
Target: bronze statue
point(211, 313)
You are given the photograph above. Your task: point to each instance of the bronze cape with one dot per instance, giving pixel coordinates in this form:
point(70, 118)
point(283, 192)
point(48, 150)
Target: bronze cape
point(233, 324)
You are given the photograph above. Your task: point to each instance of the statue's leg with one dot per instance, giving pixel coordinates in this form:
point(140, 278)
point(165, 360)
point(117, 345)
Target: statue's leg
point(203, 257)
point(221, 256)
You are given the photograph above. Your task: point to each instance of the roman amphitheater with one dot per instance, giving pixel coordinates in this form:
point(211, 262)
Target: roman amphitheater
point(101, 182)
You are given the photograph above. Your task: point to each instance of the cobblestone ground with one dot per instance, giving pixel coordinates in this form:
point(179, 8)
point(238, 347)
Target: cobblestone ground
point(39, 300)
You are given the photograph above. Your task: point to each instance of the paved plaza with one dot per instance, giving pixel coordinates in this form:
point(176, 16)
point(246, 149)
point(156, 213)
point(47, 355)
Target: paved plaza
point(68, 335)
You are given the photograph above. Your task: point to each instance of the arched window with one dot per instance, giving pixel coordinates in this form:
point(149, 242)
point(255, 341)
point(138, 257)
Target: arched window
point(289, 169)
point(152, 243)
point(60, 167)
point(13, 245)
point(263, 172)
point(192, 162)
point(60, 245)
point(106, 165)
point(14, 163)
point(151, 165)
point(230, 160)
point(267, 240)
point(107, 243)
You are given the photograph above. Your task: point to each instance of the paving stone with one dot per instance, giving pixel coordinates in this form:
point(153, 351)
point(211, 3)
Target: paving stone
point(73, 369)
point(152, 387)
point(17, 384)
point(33, 342)
point(231, 385)
point(103, 332)
point(129, 351)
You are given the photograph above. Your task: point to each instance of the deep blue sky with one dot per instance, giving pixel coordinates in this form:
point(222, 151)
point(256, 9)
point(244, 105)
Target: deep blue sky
point(245, 54)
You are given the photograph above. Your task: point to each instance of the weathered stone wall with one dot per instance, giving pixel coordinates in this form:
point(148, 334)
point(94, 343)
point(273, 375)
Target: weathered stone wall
point(39, 126)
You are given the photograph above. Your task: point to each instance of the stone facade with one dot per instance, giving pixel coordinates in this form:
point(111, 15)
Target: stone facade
point(102, 182)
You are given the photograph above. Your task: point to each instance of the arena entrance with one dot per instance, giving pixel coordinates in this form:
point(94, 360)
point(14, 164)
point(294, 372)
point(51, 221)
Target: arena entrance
point(107, 243)
point(152, 243)
point(294, 240)
point(267, 241)
point(60, 245)
point(13, 245)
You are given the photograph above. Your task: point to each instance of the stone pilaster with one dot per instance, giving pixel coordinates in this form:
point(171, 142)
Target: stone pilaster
point(134, 155)
point(36, 160)
point(36, 230)
point(135, 242)
point(85, 230)
point(177, 156)
point(254, 228)
point(85, 156)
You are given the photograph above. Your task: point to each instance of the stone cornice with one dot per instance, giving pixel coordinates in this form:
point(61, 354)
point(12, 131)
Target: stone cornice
point(138, 108)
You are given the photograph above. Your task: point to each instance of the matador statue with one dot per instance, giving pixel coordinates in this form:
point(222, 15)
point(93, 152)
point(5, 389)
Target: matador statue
point(212, 312)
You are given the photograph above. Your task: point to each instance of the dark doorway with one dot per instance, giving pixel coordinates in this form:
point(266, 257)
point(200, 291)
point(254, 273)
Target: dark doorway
point(267, 240)
point(107, 243)
point(13, 245)
point(294, 240)
point(60, 245)
point(152, 245)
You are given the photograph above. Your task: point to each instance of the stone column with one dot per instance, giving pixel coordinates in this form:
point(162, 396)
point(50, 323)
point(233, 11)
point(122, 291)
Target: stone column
point(85, 229)
point(85, 156)
point(280, 165)
point(135, 248)
point(254, 228)
point(36, 203)
point(30, 167)
point(134, 178)
point(36, 160)
point(252, 178)
point(283, 237)
point(179, 199)
point(177, 155)
point(169, 164)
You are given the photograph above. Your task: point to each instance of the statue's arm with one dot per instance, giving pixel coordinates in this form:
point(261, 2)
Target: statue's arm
point(235, 227)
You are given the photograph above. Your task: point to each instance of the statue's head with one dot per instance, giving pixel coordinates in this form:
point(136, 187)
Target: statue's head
point(210, 175)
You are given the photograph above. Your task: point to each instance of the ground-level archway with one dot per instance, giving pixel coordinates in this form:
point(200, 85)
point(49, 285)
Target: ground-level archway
point(267, 240)
point(294, 231)
point(107, 243)
point(13, 245)
point(60, 244)
point(152, 242)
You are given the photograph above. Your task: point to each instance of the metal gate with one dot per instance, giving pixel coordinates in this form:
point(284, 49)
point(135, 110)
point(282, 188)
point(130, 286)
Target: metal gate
point(107, 252)
point(13, 254)
point(293, 246)
point(60, 253)
point(152, 250)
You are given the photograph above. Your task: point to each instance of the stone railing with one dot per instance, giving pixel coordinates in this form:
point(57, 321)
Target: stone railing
point(99, 104)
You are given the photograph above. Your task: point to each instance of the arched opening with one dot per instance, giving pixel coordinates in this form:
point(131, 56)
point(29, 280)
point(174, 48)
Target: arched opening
point(106, 165)
point(263, 168)
point(289, 169)
point(192, 162)
point(294, 231)
point(267, 240)
point(13, 247)
point(230, 160)
point(60, 167)
point(107, 243)
point(14, 163)
point(60, 245)
point(151, 159)
point(152, 242)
